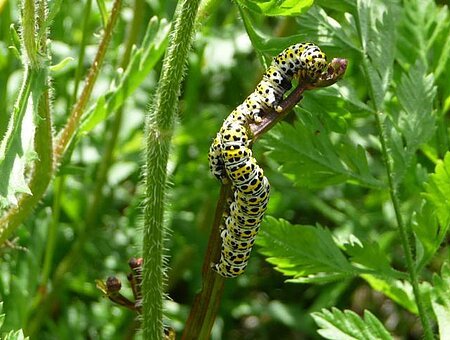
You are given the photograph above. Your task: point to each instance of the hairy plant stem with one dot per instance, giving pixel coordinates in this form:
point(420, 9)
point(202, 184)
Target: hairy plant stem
point(35, 85)
point(206, 303)
point(43, 299)
point(159, 125)
point(46, 166)
point(405, 232)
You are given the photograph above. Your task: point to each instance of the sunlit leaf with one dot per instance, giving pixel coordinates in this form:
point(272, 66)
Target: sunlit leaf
point(277, 7)
point(399, 291)
point(440, 300)
point(429, 234)
point(303, 251)
point(336, 324)
point(438, 191)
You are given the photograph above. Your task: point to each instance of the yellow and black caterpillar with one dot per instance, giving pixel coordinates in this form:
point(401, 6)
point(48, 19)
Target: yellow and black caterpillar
point(231, 160)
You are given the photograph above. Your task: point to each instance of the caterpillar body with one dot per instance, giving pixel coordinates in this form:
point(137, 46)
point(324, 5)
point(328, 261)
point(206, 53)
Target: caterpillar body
point(231, 159)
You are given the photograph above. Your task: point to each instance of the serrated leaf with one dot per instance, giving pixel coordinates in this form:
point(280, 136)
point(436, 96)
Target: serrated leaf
point(429, 235)
point(326, 31)
point(336, 324)
point(438, 191)
point(376, 23)
point(142, 62)
point(415, 122)
point(15, 335)
point(17, 150)
point(370, 256)
point(11, 335)
point(301, 251)
point(277, 7)
point(416, 93)
point(440, 300)
point(307, 155)
point(423, 34)
point(399, 291)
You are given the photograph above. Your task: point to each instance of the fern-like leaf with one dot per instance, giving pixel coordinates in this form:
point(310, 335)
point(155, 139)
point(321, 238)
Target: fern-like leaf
point(307, 154)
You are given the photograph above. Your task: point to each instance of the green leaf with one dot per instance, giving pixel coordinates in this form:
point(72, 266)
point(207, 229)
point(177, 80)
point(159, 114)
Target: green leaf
point(310, 255)
point(17, 145)
point(11, 335)
point(15, 335)
point(417, 120)
point(429, 235)
point(438, 191)
point(103, 11)
point(327, 31)
point(440, 300)
point(338, 5)
point(55, 69)
point(2, 316)
point(369, 255)
point(277, 7)
point(303, 251)
point(414, 122)
point(336, 324)
point(376, 22)
point(423, 34)
point(399, 291)
point(265, 43)
point(308, 156)
point(142, 62)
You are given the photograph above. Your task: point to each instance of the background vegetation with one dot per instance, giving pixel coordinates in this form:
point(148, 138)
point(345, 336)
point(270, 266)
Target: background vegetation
point(359, 208)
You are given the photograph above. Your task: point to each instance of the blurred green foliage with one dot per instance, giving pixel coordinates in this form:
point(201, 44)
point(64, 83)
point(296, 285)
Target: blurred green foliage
point(331, 227)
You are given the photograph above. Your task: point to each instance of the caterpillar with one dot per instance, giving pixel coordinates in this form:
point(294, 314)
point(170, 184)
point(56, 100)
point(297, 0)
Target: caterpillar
point(231, 159)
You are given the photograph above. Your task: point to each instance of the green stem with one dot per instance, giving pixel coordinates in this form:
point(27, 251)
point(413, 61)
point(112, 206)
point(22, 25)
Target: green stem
point(74, 119)
point(35, 85)
point(112, 130)
point(405, 232)
point(5, 13)
point(40, 178)
point(207, 302)
point(79, 69)
point(159, 125)
point(206, 8)
point(52, 231)
point(29, 31)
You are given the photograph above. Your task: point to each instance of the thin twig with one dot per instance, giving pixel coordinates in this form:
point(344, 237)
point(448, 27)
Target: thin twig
point(73, 122)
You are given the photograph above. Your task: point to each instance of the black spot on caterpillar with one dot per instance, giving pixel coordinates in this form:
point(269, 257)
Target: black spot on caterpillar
point(231, 159)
